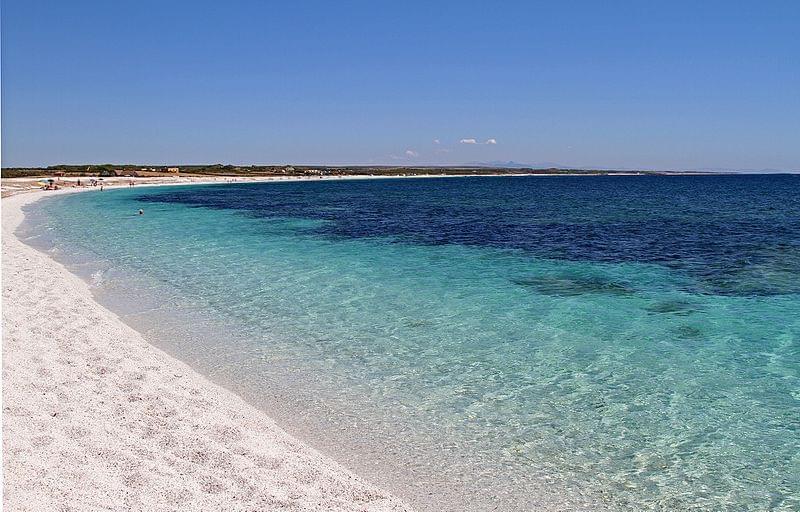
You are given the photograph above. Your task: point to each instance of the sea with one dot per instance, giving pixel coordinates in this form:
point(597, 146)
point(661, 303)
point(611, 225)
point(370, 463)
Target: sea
point(481, 343)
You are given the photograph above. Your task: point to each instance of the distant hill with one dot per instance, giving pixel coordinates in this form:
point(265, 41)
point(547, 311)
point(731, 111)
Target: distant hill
point(510, 164)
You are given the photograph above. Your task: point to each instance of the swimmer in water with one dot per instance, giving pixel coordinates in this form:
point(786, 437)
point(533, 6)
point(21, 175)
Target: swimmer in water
point(141, 212)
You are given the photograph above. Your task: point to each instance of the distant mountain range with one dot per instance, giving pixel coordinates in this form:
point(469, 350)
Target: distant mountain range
point(510, 164)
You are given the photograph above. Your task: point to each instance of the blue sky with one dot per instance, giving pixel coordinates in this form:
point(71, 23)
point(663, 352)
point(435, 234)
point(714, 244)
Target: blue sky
point(664, 85)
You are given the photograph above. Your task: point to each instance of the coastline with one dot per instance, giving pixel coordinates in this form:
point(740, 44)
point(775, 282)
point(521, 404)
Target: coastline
point(96, 417)
point(12, 186)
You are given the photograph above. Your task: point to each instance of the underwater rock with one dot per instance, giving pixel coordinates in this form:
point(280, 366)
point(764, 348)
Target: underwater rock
point(674, 307)
point(570, 286)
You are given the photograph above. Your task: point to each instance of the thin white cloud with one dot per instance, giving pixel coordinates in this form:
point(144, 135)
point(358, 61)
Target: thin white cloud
point(410, 153)
point(475, 141)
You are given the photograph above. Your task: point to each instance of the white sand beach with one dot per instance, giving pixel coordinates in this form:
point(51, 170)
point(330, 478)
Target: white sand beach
point(94, 417)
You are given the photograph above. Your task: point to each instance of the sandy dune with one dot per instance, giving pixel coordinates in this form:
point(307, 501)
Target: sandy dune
point(96, 418)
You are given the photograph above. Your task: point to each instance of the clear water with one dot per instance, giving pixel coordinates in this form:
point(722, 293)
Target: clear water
point(629, 343)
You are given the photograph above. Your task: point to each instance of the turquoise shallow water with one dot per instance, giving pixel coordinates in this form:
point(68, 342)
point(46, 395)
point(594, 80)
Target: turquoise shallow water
point(482, 369)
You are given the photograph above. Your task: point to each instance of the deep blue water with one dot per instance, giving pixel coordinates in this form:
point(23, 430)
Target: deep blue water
point(721, 230)
point(552, 343)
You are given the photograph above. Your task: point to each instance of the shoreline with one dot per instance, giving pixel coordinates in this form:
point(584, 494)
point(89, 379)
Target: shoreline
point(88, 400)
point(13, 186)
